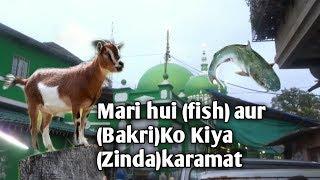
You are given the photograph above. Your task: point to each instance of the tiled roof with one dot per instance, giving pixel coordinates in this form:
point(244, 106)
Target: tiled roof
point(50, 47)
point(22, 119)
point(270, 113)
point(301, 133)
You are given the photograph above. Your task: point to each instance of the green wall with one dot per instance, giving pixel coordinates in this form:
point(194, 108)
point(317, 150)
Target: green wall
point(36, 59)
point(10, 155)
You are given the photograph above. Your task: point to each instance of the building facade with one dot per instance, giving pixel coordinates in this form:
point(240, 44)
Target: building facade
point(302, 145)
point(21, 55)
point(294, 26)
point(181, 86)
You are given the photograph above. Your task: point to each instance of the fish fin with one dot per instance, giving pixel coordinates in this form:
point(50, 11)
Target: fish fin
point(271, 64)
point(249, 46)
point(228, 60)
point(242, 73)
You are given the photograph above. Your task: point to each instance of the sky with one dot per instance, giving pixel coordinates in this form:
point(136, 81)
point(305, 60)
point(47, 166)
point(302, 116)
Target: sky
point(141, 24)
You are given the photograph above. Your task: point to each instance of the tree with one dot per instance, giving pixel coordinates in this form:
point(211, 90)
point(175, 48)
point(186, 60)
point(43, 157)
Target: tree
point(298, 102)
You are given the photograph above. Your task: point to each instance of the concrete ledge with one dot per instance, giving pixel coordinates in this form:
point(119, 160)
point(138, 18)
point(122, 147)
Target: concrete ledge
point(74, 163)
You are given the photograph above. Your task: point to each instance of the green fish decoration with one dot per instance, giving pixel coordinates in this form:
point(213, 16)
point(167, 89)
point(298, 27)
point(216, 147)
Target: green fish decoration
point(250, 63)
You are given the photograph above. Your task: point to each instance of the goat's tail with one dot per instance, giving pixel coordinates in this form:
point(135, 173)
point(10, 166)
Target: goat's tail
point(10, 81)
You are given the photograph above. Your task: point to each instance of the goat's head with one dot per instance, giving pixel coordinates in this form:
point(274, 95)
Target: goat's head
point(109, 52)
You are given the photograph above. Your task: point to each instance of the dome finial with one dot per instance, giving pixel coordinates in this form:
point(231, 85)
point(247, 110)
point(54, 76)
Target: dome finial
point(112, 32)
point(166, 57)
point(204, 64)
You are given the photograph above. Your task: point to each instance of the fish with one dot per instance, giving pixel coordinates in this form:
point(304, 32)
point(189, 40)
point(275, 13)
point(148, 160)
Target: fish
point(249, 61)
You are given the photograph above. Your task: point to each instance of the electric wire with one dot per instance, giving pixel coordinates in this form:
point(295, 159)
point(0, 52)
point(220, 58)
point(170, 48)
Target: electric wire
point(231, 84)
point(197, 71)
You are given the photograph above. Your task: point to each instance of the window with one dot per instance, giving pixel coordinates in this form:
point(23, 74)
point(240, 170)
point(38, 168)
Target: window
point(19, 67)
point(314, 154)
point(3, 163)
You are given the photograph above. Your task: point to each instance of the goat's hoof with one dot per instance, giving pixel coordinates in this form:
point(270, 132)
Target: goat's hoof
point(76, 143)
point(36, 152)
point(86, 144)
point(51, 149)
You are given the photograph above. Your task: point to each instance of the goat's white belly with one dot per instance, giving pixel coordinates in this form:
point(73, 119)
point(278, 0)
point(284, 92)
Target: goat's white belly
point(52, 103)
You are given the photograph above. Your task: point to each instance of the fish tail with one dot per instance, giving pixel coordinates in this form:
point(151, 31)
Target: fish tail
point(217, 61)
point(214, 79)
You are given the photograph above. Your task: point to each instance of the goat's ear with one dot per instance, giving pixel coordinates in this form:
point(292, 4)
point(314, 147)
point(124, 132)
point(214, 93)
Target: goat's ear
point(107, 41)
point(120, 45)
point(95, 43)
point(98, 44)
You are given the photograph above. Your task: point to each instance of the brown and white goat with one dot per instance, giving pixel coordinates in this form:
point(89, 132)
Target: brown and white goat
point(59, 90)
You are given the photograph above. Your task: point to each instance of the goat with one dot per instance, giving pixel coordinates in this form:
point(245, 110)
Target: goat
point(52, 91)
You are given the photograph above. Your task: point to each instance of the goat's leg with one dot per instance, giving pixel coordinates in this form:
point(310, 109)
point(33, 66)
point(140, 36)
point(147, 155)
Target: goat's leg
point(76, 121)
point(83, 122)
point(33, 111)
point(46, 120)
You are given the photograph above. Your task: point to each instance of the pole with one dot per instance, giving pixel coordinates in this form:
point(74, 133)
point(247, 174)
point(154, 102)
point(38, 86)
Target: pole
point(166, 58)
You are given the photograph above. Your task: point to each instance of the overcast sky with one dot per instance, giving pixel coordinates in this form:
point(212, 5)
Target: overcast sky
point(141, 25)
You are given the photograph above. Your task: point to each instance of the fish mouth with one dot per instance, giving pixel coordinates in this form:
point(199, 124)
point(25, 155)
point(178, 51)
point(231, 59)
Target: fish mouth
point(269, 84)
point(274, 89)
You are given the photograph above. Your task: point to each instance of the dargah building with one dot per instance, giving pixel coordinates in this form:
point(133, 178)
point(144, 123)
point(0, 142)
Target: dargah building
point(162, 84)
point(180, 85)
point(251, 137)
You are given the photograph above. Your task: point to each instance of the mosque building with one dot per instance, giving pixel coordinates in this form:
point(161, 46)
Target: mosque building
point(168, 82)
point(177, 84)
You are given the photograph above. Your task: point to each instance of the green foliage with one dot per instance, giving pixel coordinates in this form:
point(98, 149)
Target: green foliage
point(266, 16)
point(298, 102)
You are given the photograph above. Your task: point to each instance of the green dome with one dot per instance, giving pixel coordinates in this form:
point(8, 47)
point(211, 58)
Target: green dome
point(200, 83)
point(178, 77)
